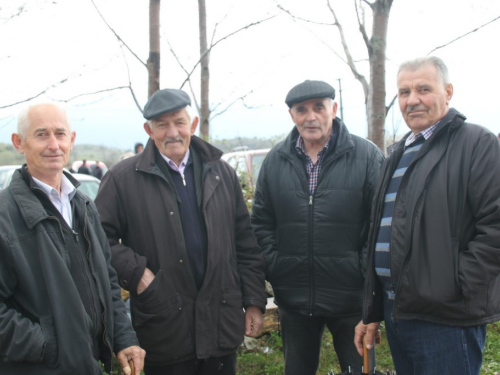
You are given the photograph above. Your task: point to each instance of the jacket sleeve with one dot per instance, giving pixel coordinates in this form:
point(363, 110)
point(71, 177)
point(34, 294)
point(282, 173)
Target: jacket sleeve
point(478, 265)
point(264, 219)
point(129, 266)
point(21, 339)
point(372, 175)
point(251, 266)
point(123, 334)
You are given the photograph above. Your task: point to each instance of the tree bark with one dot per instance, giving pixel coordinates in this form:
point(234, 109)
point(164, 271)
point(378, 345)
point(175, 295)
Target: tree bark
point(205, 72)
point(376, 109)
point(153, 63)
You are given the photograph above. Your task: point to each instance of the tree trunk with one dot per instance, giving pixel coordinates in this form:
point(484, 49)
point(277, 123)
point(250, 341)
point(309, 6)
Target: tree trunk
point(375, 106)
point(205, 72)
point(153, 62)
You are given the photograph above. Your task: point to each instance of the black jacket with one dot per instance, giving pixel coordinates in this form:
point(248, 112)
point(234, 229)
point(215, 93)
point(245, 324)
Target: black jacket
point(173, 320)
point(44, 328)
point(445, 244)
point(313, 244)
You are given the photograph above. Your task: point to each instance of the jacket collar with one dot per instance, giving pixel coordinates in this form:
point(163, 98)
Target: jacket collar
point(343, 143)
point(24, 191)
point(208, 153)
point(451, 122)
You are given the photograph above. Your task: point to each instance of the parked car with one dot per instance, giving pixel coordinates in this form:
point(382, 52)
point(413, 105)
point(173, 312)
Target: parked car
point(4, 173)
point(89, 185)
point(247, 164)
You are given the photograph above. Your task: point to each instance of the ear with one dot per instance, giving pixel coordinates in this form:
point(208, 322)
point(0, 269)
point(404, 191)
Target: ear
point(17, 141)
point(291, 115)
point(148, 129)
point(73, 138)
point(194, 125)
point(449, 92)
point(334, 109)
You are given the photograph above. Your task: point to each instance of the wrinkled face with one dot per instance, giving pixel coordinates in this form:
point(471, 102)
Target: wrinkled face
point(172, 133)
point(423, 97)
point(313, 119)
point(47, 143)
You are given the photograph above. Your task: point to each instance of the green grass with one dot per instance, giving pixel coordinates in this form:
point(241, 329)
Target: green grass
point(272, 362)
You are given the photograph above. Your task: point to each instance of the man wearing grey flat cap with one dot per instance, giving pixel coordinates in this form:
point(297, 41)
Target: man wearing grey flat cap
point(183, 246)
point(311, 218)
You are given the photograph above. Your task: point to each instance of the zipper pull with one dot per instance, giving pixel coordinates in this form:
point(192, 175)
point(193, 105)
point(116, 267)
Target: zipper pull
point(183, 179)
point(310, 200)
point(75, 234)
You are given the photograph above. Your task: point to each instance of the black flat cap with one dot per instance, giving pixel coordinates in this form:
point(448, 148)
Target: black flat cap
point(309, 90)
point(164, 101)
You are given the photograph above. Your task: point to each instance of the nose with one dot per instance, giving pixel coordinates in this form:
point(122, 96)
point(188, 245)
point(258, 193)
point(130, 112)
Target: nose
point(311, 116)
point(413, 98)
point(52, 142)
point(172, 131)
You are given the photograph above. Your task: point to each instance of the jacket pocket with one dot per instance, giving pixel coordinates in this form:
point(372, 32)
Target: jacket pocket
point(50, 353)
point(231, 319)
point(161, 325)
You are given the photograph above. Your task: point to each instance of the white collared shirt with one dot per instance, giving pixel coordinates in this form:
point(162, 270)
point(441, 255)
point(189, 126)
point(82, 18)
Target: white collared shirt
point(182, 165)
point(60, 201)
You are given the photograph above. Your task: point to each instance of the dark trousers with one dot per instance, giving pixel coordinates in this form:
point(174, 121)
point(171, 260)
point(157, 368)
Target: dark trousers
point(419, 347)
point(302, 341)
point(211, 366)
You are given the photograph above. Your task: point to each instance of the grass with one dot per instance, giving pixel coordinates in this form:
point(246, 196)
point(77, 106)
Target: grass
point(271, 363)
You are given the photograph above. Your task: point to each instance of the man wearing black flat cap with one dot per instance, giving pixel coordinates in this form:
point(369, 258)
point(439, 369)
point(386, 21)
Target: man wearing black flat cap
point(182, 244)
point(311, 218)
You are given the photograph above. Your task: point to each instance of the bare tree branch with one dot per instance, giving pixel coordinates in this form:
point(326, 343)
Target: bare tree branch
point(220, 40)
point(464, 35)
point(362, 28)
point(92, 93)
point(35, 96)
point(20, 10)
point(132, 92)
point(371, 5)
point(387, 108)
point(117, 36)
point(187, 73)
point(350, 61)
point(242, 98)
point(300, 18)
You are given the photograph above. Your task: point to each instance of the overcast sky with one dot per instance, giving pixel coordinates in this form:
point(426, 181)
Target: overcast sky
point(66, 39)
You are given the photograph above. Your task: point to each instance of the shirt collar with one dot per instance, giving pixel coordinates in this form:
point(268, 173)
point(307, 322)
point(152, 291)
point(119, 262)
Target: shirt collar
point(426, 133)
point(301, 149)
point(67, 188)
point(174, 166)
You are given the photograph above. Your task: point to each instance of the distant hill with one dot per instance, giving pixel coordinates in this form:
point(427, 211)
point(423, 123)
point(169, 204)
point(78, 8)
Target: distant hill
point(110, 155)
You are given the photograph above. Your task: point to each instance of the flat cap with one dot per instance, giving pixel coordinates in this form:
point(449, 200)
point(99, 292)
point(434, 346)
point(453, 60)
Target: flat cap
point(309, 90)
point(164, 101)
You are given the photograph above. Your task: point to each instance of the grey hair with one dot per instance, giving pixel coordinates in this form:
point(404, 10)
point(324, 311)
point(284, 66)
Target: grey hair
point(420, 62)
point(23, 120)
point(190, 114)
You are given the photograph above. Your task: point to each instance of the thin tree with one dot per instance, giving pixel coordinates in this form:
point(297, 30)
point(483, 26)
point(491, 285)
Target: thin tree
point(153, 63)
point(205, 71)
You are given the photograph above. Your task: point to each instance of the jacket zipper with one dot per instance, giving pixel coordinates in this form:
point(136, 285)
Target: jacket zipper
point(311, 255)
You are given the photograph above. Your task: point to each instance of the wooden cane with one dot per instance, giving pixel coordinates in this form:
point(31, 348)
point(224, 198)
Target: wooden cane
point(366, 358)
point(131, 365)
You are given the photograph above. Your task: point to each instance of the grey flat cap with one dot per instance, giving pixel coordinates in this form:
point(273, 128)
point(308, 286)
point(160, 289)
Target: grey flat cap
point(309, 90)
point(164, 101)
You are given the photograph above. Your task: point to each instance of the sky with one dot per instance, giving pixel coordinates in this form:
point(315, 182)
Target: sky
point(52, 41)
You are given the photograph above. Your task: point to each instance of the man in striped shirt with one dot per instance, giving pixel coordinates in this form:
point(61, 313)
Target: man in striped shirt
point(433, 249)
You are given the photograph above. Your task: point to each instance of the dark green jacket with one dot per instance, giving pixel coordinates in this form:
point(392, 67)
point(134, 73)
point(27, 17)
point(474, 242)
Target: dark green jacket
point(44, 328)
point(313, 245)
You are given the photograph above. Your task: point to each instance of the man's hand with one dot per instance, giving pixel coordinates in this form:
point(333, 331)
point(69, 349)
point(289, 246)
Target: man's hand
point(146, 279)
point(253, 321)
point(134, 353)
point(371, 331)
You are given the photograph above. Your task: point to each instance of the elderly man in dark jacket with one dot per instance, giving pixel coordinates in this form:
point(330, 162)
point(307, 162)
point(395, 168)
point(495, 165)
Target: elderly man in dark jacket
point(183, 245)
point(434, 245)
point(60, 305)
point(311, 218)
